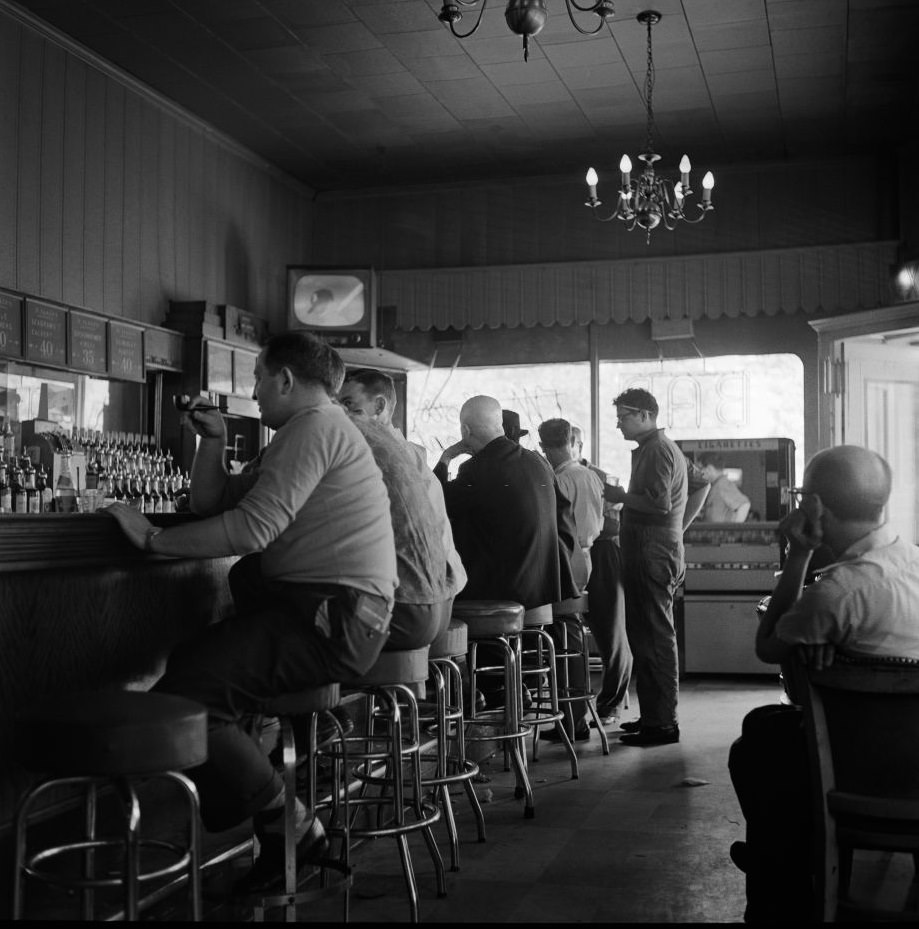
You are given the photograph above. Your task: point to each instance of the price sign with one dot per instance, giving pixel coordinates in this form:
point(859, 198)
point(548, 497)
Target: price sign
point(244, 373)
point(46, 333)
point(126, 351)
point(219, 368)
point(10, 325)
point(88, 345)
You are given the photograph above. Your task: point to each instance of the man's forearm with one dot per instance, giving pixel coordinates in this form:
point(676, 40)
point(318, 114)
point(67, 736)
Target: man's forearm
point(206, 538)
point(769, 647)
point(208, 475)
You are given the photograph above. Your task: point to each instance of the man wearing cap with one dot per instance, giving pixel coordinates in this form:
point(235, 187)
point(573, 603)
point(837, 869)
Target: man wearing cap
point(653, 518)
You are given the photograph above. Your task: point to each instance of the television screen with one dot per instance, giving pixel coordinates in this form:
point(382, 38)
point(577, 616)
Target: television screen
point(338, 304)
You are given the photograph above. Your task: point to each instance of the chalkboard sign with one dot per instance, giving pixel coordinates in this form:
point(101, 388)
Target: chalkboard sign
point(10, 325)
point(126, 351)
point(46, 333)
point(219, 368)
point(243, 373)
point(88, 348)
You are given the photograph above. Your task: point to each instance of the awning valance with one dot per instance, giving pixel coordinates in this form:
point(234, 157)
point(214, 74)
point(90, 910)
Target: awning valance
point(825, 279)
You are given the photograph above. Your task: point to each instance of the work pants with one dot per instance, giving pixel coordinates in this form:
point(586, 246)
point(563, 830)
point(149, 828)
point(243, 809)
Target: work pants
point(301, 636)
point(652, 561)
point(606, 618)
point(415, 625)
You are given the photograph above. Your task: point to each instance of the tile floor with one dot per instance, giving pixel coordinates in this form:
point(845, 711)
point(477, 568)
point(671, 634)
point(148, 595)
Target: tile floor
point(641, 837)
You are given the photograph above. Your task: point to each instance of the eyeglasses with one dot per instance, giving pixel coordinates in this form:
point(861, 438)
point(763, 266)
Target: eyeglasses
point(623, 411)
point(797, 494)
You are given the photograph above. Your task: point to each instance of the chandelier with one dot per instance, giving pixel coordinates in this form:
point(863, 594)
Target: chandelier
point(526, 17)
point(649, 200)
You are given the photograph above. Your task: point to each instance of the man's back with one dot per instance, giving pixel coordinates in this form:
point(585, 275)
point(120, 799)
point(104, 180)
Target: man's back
point(502, 507)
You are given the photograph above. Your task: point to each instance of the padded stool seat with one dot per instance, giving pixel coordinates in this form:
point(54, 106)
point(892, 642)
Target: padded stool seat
point(110, 734)
point(110, 739)
point(408, 666)
point(305, 702)
point(486, 618)
point(451, 643)
point(538, 616)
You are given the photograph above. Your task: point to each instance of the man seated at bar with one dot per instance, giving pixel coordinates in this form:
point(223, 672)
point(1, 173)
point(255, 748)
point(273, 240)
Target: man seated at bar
point(429, 569)
point(313, 593)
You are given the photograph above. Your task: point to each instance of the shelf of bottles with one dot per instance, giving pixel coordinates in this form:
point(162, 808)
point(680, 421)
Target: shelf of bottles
point(116, 466)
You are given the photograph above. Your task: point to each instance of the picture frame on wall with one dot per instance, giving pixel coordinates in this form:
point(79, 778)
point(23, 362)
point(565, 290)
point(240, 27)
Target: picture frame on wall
point(338, 304)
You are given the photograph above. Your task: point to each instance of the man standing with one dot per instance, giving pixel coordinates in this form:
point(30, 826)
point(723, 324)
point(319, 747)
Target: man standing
point(652, 553)
point(865, 604)
point(313, 594)
point(584, 490)
point(725, 502)
point(606, 613)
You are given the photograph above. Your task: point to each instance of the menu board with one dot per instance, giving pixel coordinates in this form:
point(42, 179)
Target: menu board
point(126, 351)
point(219, 368)
point(163, 349)
point(46, 333)
point(88, 348)
point(10, 325)
point(244, 373)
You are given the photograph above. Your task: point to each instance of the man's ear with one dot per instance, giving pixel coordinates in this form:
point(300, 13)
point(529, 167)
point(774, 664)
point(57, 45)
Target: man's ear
point(379, 405)
point(287, 380)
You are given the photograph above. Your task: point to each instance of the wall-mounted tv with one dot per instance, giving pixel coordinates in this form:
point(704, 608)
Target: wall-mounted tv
point(338, 304)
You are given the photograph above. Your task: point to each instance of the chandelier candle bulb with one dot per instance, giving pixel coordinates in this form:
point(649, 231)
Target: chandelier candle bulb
point(685, 168)
point(708, 182)
point(592, 183)
point(625, 166)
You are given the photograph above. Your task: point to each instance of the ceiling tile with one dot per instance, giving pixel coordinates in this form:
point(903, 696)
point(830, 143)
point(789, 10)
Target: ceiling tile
point(737, 60)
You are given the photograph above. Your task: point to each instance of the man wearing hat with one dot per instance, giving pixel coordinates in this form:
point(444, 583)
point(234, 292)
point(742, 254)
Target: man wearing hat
point(511, 422)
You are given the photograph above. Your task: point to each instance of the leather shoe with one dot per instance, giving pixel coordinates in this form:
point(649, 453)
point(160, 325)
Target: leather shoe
point(552, 735)
point(267, 873)
point(633, 726)
point(652, 735)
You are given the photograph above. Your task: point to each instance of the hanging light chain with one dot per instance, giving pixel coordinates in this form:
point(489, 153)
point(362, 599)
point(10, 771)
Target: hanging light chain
point(649, 90)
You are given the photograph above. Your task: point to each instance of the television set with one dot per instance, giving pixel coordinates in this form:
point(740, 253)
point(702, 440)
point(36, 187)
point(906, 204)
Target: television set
point(338, 304)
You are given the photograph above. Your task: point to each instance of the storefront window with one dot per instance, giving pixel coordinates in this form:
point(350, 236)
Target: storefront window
point(730, 396)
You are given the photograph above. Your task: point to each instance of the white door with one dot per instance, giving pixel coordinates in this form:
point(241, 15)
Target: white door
point(880, 410)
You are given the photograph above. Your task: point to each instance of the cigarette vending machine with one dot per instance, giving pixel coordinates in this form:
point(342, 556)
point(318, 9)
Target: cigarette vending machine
point(731, 566)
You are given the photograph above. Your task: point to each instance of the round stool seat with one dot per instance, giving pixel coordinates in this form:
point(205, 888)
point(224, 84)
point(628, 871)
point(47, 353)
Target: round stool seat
point(485, 618)
point(569, 606)
point(538, 616)
point(113, 733)
point(409, 666)
point(452, 642)
point(304, 702)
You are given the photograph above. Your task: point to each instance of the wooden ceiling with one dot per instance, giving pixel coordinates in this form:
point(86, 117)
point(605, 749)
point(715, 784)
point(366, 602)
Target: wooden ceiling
point(355, 93)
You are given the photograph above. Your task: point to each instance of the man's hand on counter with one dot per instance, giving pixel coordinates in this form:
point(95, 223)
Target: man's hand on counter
point(133, 523)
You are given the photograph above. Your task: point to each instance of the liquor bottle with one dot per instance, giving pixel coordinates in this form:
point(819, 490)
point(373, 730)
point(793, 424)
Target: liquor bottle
point(6, 494)
point(17, 491)
point(46, 495)
point(136, 496)
point(33, 497)
point(92, 474)
point(65, 496)
point(118, 486)
point(157, 495)
point(147, 505)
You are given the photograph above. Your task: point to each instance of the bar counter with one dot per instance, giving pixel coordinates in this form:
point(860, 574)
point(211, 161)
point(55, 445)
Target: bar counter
point(81, 608)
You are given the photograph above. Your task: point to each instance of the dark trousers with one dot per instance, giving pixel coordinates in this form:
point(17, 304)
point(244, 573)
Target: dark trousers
point(652, 560)
point(415, 625)
point(300, 636)
point(606, 618)
point(768, 766)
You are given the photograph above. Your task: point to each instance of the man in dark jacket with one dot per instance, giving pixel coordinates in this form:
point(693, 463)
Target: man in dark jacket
point(502, 507)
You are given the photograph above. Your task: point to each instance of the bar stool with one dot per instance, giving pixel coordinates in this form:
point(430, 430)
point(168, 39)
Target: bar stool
point(383, 757)
point(500, 622)
point(311, 704)
point(114, 739)
point(539, 662)
point(568, 616)
point(446, 715)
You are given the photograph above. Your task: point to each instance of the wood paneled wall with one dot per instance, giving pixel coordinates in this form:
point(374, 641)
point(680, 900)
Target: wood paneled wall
point(112, 199)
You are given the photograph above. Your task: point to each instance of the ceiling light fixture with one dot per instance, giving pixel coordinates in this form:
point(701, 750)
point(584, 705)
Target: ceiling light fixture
point(648, 200)
point(526, 17)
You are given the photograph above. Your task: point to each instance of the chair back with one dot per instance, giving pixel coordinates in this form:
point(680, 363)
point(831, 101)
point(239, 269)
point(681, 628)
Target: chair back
point(862, 723)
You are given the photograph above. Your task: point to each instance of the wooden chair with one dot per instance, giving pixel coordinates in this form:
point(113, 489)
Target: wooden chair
point(862, 724)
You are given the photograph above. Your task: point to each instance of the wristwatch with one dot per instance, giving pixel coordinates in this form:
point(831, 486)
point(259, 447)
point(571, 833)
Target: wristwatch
point(150, 535)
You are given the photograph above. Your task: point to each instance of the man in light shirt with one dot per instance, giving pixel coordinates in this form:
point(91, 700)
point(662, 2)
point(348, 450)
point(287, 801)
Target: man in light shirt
point(725, 503)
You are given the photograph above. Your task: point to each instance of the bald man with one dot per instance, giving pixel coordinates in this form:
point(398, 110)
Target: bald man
point(866, 603)
point(503, 510)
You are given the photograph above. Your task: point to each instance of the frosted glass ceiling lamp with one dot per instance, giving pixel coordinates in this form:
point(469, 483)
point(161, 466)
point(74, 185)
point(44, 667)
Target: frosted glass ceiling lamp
point(526, 17)
point(648, 200)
